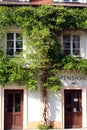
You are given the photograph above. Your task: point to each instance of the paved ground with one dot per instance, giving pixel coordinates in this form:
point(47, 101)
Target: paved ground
point(54, 129)
point(71, 129)
point(62, 129)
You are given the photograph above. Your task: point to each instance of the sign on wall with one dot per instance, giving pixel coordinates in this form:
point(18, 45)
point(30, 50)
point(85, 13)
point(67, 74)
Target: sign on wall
point(68, 79)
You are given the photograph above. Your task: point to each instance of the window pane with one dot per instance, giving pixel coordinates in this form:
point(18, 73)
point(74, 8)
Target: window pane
point(76, 41)
point(10, 103)
point(10, 51)
point(76, 38)
point(76, 52)
point(66, 44)
point(68, 103)
point(76, 102)
point(18, 50)
point(10, 44)
point(10, 36)
point(67, 52)
point(19, 44)
point(66, 38)
point(74, 0)
point(66, 0)
point(19, 36)
point(17, 102)
point(76, 45)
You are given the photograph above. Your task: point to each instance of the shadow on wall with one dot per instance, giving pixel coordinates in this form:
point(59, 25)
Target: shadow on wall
point(55, 108)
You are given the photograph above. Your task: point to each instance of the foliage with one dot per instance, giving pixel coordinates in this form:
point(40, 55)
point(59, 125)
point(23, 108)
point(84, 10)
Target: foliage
point(73, 63)
point(44, 59)
point(3, 68)
point(42, 127)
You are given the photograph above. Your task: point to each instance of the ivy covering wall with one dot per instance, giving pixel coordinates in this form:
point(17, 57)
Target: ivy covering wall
point(41, 26)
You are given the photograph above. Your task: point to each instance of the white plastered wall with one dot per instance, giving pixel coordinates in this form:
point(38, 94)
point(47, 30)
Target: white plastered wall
point(54, 106)
point(34, 106)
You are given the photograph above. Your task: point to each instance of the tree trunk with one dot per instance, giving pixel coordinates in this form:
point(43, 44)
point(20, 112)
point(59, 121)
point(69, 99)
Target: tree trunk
point(45, 102)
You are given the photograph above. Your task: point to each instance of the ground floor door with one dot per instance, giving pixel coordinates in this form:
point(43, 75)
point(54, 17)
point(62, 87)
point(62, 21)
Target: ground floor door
point(73, 108)
point(13, 109)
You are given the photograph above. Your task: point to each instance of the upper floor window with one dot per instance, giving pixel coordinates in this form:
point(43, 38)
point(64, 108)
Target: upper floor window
point(70, 0)
point(14, 43)
point(71, 44)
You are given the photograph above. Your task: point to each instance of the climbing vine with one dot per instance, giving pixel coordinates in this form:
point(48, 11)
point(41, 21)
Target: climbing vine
point(41, 26)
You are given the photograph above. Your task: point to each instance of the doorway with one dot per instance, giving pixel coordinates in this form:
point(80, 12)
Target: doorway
point(13, 109)
point(73, 108)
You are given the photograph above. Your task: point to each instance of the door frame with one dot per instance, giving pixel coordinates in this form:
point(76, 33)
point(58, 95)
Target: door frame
point(25, 100)
point(15, 115)
point(79, 123)
point(84, 104)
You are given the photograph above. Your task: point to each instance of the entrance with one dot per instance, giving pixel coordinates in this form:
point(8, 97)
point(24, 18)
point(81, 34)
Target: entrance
point(73, 108)
point(13, 109)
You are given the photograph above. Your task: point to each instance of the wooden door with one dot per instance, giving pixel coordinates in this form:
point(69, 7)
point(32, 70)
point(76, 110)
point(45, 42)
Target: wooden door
point(73, 108)
point(13, 109)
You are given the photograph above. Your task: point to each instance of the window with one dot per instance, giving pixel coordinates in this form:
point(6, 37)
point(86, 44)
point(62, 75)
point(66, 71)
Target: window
point(14, 43)
point(66, 1)
point(70, 0)
point(71, 44)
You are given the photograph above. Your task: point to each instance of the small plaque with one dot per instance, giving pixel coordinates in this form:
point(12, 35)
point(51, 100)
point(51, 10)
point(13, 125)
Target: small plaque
point(75, 99)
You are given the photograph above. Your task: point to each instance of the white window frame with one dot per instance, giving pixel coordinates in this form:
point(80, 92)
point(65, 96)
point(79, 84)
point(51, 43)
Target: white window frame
point(14, 41)
point(71, 44)
point(71, 1)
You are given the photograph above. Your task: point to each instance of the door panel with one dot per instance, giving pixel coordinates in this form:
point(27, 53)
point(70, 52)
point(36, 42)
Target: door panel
point(13, 109)
point(73, 108)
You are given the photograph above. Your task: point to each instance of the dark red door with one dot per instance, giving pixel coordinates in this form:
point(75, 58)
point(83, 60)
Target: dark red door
point(73, 108)
point(13, 109)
